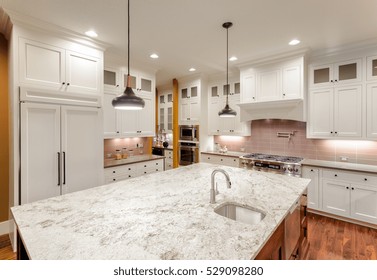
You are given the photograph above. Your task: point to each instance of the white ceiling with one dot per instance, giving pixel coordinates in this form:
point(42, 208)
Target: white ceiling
point(189, 33)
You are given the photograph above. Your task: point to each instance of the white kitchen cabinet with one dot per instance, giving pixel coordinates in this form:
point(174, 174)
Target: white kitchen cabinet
point(313, 187)
point(335, 112)
point(276, 81)
point(220, 159)
point(59, 150)
point(48, 66)
point(372, 68)
point(168, 159)
point(225, 126)
point(165, 111)
point(338, 73)
point(111, 116)
point(139, 123)
point(371, 118)
point(141, 82)
point(112, 80)
point(132, 170)
point(248, 86)
point(189, 104)
point(349, 194)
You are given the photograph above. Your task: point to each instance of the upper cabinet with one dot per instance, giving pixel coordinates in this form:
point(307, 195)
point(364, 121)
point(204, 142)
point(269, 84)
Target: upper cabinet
point(189, 103)
point(119, 123)
point(45, 65)
point(216, 102)
point(165, 111)
point(278, 81)
point(338, 73)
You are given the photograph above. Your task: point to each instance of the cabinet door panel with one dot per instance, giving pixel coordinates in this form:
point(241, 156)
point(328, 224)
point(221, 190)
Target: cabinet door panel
point(364, 203)
point(214, 121)
point(321, 113)
point(372, 111)
point(248, 88)
point(82, 72)
point(40, 145)
point(347, 111)
point(111, 117)
point(292, 82)
point(129, 123)
point(336, 197)
point(146, 117)
point(81, 144)
point(269, 86)
point(41, 64)
point(313, 187)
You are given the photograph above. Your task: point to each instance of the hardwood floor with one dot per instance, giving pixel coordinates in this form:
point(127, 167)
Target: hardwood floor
point(329, 239)
point(6, 252)
point(332, 239)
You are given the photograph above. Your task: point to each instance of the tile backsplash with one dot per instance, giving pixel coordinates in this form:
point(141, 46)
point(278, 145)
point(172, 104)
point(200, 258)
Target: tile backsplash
point(264, 139)
point(111, 145)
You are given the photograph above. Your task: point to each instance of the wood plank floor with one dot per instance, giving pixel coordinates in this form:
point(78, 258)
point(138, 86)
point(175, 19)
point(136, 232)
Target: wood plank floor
point(329, 239)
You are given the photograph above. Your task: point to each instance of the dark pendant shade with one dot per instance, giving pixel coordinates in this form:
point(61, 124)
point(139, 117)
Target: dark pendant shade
point(227, 112)
point(128, 101)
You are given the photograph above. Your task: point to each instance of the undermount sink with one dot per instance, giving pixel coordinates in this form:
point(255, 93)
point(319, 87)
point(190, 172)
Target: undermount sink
point(240, 213)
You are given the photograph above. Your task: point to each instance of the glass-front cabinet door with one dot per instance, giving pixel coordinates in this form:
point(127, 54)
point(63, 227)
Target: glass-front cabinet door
point(372, 68)
point(321, 75)
point(347, 71)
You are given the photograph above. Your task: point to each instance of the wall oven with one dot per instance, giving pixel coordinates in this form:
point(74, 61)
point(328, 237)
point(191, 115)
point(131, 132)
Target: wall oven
point(189, 132)
point(188, 153)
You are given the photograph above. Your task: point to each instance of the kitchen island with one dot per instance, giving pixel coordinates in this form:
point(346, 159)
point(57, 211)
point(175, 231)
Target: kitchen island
point(166, 215)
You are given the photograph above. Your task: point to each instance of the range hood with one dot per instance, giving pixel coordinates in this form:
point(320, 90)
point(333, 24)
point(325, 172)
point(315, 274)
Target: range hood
point(292, 109)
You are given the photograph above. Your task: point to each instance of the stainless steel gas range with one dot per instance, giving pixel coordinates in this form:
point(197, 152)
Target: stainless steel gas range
point(272, 163)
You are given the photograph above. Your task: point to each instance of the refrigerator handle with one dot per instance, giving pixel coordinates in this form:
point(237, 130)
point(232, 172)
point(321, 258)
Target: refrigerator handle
point(58, 168)
point(63, 168)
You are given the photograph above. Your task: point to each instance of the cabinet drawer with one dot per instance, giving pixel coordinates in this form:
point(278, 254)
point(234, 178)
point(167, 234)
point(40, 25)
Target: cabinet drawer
point(149, 170)
point(120, 170)
point(151, 165)
point(359, 178)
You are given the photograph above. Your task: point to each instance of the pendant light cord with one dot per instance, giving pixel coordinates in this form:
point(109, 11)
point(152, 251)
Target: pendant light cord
point(128, 42)
point(227, 61)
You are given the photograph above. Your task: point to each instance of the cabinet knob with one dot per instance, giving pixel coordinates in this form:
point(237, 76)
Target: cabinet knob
point(117, 86)
point(283, 94)
point(332, 81)
point(347, 188)
point(117, 132)
point(311, 170)
point(114, 171)
point(68, 84)
point(63, 83)
point(336, 132)
point(365, 179)
point(336, 175)
point(352, 188)
point(114, 179)
point(331, 132)
point(253, 97)
point(335, 80)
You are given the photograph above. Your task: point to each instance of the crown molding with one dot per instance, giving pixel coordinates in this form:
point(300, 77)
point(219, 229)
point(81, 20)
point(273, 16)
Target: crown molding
point(28, 22)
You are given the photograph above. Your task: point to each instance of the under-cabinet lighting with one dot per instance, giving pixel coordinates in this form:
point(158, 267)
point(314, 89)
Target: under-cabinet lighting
point(154, 55)
point(192, 69)
point(233, 58)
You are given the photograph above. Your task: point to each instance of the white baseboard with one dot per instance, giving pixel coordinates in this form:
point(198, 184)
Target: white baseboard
point(4, 227)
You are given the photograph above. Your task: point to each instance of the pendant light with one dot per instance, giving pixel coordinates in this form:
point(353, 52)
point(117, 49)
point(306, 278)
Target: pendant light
point(227, 112)
point(128, 100)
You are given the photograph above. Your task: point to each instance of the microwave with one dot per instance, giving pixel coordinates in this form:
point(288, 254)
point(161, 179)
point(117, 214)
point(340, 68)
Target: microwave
point(189, 132)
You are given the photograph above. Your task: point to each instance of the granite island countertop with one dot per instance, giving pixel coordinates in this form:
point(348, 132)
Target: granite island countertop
point(165, 215)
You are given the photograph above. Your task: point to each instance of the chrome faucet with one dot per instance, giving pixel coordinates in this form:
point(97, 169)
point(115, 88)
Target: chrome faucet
point(213, 192)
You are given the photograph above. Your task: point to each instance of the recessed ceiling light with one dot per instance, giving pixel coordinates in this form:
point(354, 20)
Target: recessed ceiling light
point(233, 58)
point(91, 33)
point(294, 42)
point(154, 55)
point(192, 69)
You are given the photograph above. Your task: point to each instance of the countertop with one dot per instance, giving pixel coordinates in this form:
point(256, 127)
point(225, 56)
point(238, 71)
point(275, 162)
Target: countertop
point(341, 165)
point(131, 159)
point(165, 215)
point(229, 153)
point(167, 148)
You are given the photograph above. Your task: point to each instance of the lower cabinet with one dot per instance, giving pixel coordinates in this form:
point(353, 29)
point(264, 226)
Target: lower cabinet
point(276, 247)
point(343, 193)
point(223, 160)
point(127, 171)
point(168, 159)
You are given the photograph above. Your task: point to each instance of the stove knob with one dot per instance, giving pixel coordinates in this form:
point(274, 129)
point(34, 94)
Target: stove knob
point(296, 170)
point(284, 168)
point(290, 169)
